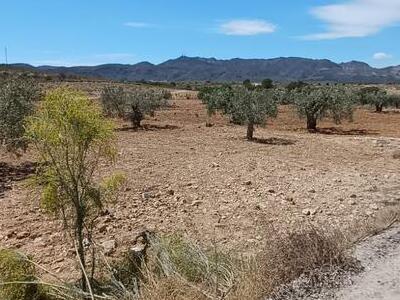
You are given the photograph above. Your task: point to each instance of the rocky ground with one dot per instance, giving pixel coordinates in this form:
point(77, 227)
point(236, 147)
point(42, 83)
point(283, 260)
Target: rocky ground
point(221, 190)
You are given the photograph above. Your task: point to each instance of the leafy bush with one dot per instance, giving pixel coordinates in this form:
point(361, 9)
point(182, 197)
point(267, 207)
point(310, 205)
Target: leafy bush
point(378, 98)
point(267, 84)
point(315, 103)
point(133, 105)
point(15, 268)
point(113, 100)
point(242, 105)
point(296, 85)
point(17, 101)
point(71, 136)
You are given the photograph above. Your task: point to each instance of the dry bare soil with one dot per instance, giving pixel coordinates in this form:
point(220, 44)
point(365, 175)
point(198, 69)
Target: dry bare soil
point(219, 189)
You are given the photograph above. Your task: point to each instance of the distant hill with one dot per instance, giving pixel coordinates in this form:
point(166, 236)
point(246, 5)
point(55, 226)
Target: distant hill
point(210, 69)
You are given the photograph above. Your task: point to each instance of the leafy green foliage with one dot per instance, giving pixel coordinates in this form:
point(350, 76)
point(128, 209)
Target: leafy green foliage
point(143, 102)
point(378, 98)
point(15, 268)
point(113, 100)
point(315, 103)
point(248, 84)
point(17, 101)
point(242, 105)
point(267, 84)
point(133, 105)
point(296, 85)
point(71, 135)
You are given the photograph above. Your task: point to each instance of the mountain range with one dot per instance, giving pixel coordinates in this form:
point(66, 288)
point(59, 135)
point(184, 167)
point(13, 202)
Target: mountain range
point(282, 69)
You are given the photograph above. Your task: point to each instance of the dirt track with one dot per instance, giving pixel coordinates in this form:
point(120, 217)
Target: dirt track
point(219, 189)
point(380, 256)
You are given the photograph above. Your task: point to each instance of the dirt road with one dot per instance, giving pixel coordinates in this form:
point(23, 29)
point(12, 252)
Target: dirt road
point(380, 256)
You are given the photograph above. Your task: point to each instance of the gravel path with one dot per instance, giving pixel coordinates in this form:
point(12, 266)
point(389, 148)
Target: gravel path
point(380, 257)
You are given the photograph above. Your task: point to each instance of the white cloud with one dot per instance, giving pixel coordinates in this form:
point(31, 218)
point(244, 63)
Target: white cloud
point(247, 27)
point(138, 24)
point(382, 56)
point(356, 18)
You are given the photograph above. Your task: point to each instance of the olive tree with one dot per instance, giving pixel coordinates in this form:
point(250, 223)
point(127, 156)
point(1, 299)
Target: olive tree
point(71, 137)
point(18, 98)
point(113, 100)
point(243, 106)
point(316, 102)
point(267, 84)
point(377, 97)
point(133, 105)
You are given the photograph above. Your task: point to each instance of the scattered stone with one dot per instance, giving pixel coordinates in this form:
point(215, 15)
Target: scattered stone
point(396, 154)
point(309, 211)
point(369, 213)
point(215, 165)
point(290, 199)
point(248, 182)
point(312, 191)
point(271, 191)
point(22, 235)
point(197, 203)
point(109, 247)
point(146, 196)
point(352, 202)
point(374, 206)
point(353, 196)
point(170, 192)
point(103, 228)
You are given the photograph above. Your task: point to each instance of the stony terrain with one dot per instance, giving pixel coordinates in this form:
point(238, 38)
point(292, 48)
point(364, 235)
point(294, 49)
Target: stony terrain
point(218, 188)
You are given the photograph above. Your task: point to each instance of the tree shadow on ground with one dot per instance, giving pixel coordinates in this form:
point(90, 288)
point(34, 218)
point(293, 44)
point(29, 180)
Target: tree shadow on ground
point(386, 112)
point(148, 127)
point(273, 141)
point(339, 131)
point(10, 174)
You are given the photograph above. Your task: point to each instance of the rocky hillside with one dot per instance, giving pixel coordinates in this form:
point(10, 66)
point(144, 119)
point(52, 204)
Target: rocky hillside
point(211, 69)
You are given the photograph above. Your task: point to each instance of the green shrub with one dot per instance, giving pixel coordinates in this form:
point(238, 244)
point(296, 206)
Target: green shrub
point(71, 137)
point(14, 268)
point(17, 101)
point(133, 105)
point(112, 99)
point(378, 98)
point(316, 103)
point(242, 105)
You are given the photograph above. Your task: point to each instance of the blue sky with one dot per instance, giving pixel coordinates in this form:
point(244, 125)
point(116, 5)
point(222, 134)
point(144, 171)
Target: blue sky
point(89, 32)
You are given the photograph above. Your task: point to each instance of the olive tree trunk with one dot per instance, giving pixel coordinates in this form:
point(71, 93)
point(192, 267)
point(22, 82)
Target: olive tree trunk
point(379, 107)
point(250, 131)
point(311, 123)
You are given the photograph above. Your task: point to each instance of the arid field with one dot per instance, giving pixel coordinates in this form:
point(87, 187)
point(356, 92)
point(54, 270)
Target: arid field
point(216, 187)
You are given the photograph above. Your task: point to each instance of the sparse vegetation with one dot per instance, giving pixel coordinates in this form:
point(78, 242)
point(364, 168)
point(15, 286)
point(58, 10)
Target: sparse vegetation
point(75, 144)
point(18, 98)
point(244, 106)
point(16, 273)
point(71, 136)
point(267, 84)
point(133, 105)
point(378, 98)
point(316, 103)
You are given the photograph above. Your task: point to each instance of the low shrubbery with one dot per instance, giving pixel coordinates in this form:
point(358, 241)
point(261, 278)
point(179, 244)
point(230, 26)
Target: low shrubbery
point(18, 97)
point(133, 105)
point(242, 104)
point(318, 102)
